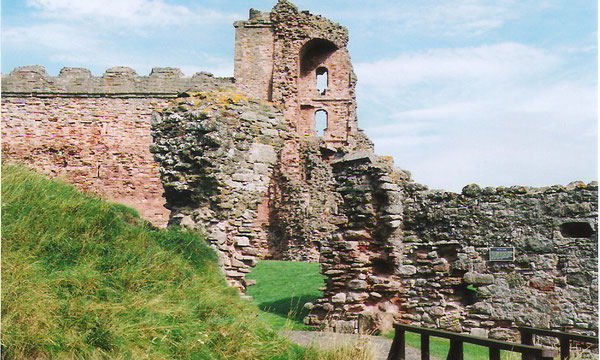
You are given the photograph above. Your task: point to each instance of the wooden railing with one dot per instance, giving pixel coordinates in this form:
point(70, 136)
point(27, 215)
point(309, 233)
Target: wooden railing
point(563, 337)
point(397, 351)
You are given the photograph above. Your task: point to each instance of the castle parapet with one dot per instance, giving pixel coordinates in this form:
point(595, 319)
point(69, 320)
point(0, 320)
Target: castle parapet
point(120, 81)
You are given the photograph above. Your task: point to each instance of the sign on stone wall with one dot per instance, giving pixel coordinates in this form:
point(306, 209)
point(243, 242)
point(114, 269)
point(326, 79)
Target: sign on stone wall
point(502, 254)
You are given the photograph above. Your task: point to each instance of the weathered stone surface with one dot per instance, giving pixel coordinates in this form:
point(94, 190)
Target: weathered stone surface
point(100, 145)
point(357, 297)
point(357, 284)
point(344, 326)
point(261, 153)
point(406, 270)
point(478, 279)
point(339, 298)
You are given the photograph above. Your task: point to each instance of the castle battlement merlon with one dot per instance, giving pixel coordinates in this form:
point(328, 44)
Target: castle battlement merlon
point(120, 81)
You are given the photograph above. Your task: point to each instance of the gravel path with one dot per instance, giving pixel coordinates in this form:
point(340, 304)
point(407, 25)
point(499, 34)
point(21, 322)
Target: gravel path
point(379, 345)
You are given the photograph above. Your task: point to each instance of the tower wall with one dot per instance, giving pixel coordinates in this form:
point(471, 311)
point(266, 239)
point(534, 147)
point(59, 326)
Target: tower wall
point(253, 56)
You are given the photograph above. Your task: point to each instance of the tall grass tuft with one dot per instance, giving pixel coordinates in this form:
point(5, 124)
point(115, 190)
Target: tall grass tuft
point(83, 278)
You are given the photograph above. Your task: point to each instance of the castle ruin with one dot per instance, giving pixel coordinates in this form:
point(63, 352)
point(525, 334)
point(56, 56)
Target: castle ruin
point(271, 164)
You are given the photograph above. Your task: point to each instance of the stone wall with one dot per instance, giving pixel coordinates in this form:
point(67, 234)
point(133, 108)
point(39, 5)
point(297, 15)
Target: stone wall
point(363, 254)
point(220, 157)
point(217, 153)
point(253, 56)
point(552, 282)
point(93, 131)
point(303, 206)
point(435, 269)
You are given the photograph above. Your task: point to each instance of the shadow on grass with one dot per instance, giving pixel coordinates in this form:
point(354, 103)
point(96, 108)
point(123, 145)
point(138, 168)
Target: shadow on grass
point(292, 307)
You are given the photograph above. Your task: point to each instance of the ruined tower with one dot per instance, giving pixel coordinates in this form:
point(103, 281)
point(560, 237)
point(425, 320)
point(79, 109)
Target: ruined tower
point(300, 61)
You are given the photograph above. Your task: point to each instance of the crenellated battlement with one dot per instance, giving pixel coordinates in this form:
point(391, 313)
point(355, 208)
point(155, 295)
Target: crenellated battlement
point(120, 81)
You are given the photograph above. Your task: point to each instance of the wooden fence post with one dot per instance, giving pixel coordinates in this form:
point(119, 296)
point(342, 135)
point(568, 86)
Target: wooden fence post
point(397, 351)
point(565, 348)
point(424, 347)
point(494, 353)
point(456, 350)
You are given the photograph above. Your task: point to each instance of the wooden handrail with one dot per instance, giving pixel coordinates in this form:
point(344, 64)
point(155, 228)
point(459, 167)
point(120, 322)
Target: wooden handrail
point(564, 338)
point(397, 352)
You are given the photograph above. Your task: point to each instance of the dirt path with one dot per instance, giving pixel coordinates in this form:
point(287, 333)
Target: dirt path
point(379, 345)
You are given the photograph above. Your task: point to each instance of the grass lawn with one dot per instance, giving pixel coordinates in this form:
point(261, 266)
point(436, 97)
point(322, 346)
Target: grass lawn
point(282, 288)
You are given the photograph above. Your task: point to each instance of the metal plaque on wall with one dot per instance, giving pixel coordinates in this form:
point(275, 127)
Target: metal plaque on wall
point(502, 254)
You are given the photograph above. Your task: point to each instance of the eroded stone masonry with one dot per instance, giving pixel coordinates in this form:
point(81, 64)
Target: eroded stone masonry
point(271, 164)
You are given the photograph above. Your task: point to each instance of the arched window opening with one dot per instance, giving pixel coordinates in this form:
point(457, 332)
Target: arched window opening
point(320, 122)
point(322, 80)
point(314, 53)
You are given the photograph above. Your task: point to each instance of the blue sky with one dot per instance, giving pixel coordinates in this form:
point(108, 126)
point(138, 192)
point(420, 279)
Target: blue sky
point(498, 92)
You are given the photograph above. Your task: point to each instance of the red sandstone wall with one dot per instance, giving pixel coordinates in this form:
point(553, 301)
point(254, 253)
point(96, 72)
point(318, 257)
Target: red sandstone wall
point(337, 101)
point(98, 144)
point(253, 59)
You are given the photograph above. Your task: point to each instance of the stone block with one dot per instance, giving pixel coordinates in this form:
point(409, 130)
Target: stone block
point(219, 236)
point(357, 285)
point(375, 295)
point(478, 279)
point(261, 153)
point(357, 297)
point(249, 282)
point(354, 235)
point(241, 241)
point(479, 332)
point(344, 326)
point(328, 307)
point(236, 263)
point(393, 209)
point(243, 177)
point(451, 323)
point(338, 298)
point(406, 270)
point(234, 274)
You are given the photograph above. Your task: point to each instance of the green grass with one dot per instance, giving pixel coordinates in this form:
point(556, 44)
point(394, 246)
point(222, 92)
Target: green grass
point(282, 288)
point(83, 278)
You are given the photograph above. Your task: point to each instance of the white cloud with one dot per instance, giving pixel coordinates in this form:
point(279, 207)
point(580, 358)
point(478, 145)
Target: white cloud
point(493, 114)
point(128, 13)
point(453, 18)
point(497, 61)
point(61, 37)
point(97, 34)
point(460, 17)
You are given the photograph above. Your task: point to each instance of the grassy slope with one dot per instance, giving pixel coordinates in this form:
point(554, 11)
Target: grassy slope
point(83, 279)
point(282, 288)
